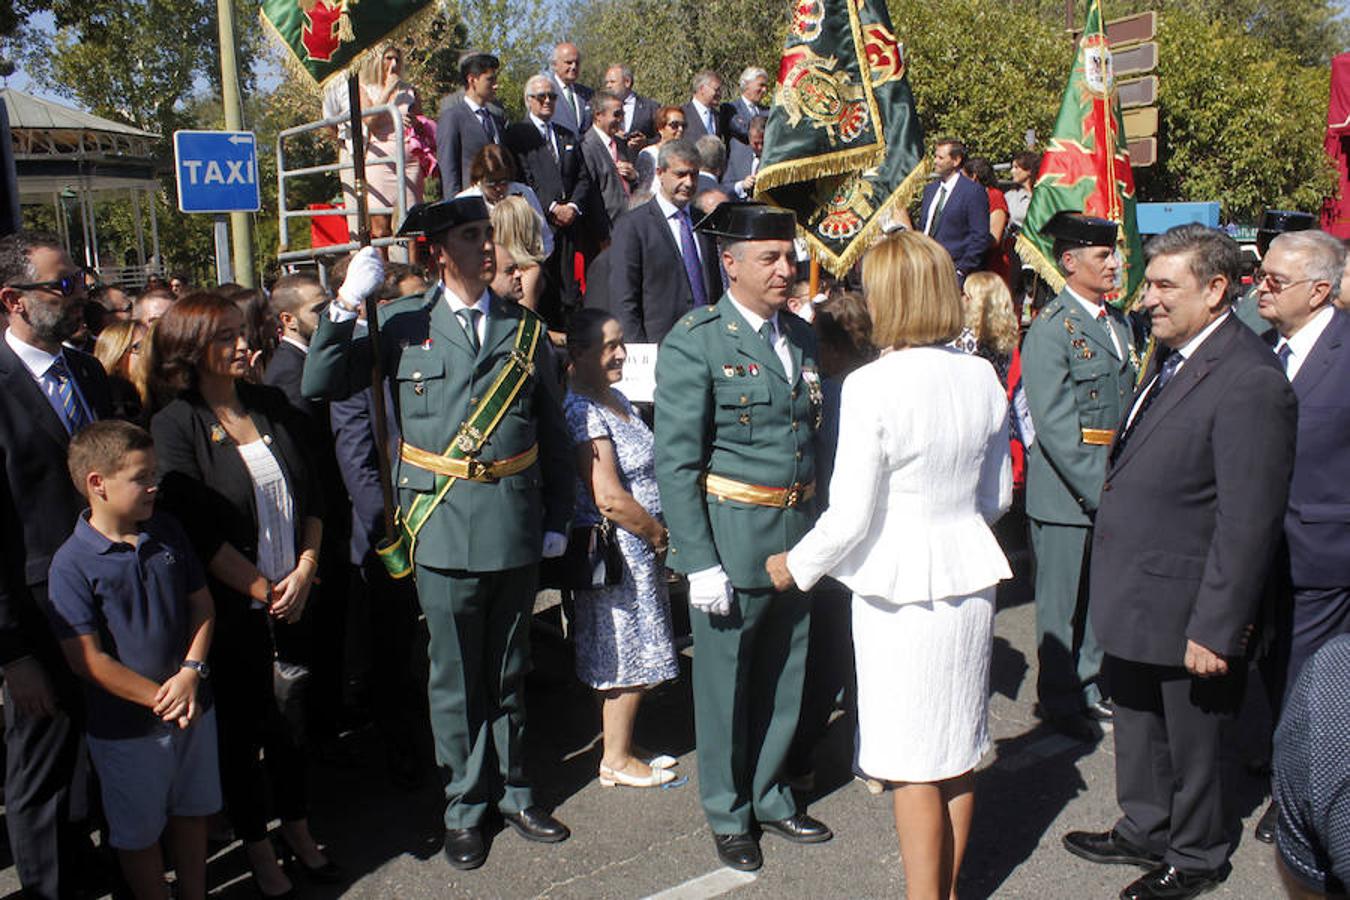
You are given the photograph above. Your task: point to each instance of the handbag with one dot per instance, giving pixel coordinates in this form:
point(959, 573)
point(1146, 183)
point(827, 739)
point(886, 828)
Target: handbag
point(592, 560)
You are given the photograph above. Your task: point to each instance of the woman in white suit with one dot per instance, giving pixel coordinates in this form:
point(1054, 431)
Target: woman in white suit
point(922, 470)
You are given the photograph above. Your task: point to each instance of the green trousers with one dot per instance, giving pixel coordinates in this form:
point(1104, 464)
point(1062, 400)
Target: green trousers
point(479, 650)
point(749, 667)
point(1070, 660)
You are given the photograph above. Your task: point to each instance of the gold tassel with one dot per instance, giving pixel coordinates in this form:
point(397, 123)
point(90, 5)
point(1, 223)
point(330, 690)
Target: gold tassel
point(1032, 256)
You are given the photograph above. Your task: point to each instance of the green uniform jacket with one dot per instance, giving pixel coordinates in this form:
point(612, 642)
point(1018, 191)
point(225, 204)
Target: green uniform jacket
point(1073, 381)
point(435, 378)
point(1246, 311)
point(724, 405)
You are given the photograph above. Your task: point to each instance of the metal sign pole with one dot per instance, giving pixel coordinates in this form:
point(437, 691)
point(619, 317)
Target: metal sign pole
point(224, 271)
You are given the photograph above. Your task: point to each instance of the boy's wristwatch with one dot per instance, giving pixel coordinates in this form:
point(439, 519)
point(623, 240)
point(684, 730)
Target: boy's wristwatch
point(201, 668)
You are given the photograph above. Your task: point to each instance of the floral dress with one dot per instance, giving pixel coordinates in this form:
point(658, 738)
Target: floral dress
point(623, 635)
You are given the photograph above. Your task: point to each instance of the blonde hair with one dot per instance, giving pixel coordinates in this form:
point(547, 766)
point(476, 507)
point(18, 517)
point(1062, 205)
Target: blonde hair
point(989, 312)
point(910, 284)
point(372, 67)
point(515, 226)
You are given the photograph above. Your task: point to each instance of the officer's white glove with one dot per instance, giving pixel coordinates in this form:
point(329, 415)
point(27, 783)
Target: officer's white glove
point(710, 591)
point(555, 544)
point(365, 275)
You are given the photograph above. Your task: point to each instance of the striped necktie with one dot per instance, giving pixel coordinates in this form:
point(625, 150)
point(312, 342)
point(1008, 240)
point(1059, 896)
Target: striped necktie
point(72, 410)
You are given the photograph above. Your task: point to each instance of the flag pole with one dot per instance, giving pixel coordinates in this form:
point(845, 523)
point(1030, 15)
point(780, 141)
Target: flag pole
point(372, 309)
point(815, 276)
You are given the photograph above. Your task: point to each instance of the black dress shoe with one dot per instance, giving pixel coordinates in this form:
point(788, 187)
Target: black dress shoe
point(328, 873)
point(1265, 828)
point(1108, 847)
point(1170, 883)
point(800, 829)
point(464, 848)
point(1101, 711)
point(536, 825)
point(738, 851)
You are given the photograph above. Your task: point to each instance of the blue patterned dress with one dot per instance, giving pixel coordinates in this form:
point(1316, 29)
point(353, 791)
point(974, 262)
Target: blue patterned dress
point(623, 636)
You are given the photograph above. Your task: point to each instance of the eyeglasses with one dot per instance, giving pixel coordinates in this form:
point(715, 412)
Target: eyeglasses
point(66, 285)
point(675, 124)
point(1278, 283)
point(545, 97)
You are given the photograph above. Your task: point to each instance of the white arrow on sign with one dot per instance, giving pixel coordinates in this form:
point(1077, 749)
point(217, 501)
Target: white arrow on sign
point(241, 139)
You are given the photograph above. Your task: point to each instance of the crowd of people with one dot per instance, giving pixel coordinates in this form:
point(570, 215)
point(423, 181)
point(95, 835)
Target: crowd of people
point(820, 474)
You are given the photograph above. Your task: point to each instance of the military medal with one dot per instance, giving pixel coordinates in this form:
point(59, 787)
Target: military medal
point(1068, 326)
point(754, 369)
point(740, 371)
point(729, 370)
point(218, 434)
point(814, 392)
point(733, 327)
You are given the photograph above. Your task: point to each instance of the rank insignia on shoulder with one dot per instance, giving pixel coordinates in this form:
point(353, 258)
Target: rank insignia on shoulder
point(732, 326)
point(689, 320)
point(729, 371)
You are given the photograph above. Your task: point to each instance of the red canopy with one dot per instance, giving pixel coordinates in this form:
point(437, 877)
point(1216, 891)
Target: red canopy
point(1336, 208)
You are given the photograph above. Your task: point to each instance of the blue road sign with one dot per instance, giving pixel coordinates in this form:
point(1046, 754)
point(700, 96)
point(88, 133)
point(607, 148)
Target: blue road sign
point(217, 171)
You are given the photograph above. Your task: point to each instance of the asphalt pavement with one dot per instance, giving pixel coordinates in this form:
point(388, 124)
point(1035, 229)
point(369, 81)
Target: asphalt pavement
point(1031, 789)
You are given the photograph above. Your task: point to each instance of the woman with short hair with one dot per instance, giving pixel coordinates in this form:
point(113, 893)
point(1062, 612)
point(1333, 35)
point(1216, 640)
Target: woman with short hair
point(670, 126)
point(920, 472)
point(492, 176)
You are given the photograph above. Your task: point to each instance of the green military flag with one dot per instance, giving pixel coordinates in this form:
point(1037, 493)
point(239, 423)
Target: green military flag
point(1086, 167)
point(326, 37)
point(843, 143)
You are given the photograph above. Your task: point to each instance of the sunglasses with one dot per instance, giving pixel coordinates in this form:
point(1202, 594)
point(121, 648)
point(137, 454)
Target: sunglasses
point(66, 285)
point(675, 124)
point(549, 95)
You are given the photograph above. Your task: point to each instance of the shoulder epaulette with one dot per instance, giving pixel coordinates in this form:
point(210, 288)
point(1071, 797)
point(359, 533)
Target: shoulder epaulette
point(700, 316)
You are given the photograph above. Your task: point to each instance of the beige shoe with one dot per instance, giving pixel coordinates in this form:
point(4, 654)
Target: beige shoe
point(611, 777)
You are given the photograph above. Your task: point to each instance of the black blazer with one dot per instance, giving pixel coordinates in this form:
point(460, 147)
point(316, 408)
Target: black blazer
point(1193, 505)
point(562, 180)
point(648, 288)
point(459, 138)
point(38, 501)
point(1317, 524)
point(694, 127)
point(644, 116)
point(205, 483)
point(738, 117)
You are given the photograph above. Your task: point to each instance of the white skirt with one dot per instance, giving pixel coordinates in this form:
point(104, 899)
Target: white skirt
point(923, 686)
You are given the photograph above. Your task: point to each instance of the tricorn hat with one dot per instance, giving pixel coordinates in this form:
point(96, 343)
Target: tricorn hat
point(1078, 230)
point(433, 218)
point(1278, 221)
point(749, 221)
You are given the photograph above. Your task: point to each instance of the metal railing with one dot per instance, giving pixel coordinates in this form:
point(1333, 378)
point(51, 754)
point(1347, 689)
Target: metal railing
point(397, 211)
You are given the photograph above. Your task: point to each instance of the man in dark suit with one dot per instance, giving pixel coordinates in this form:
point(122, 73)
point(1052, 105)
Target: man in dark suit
point(1297, 285)
point(469, 121)
point(659, 267)
point(739, 113)
point(606, 154)
point(955, 210)
point(743, 161)
point(639, 112)
point(574, 99)
point(703, 113)
point(550, 162)
point(47, 392)
point(1190, 516)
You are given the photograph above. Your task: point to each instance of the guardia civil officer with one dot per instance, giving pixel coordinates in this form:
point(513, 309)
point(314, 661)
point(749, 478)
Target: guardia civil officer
point(1078, 369)
point(737, 404)
point(484, 480)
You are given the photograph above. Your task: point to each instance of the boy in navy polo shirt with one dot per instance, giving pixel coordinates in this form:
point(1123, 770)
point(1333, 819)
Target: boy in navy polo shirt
point(130, 605)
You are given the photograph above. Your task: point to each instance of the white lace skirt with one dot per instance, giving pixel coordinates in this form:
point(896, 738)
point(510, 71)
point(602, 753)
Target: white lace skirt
point(923, 686)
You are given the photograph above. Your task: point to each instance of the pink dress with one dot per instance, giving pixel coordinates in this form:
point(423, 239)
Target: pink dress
point(381, 150)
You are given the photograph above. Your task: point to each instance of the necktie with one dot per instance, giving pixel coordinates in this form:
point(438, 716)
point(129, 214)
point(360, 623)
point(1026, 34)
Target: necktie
point(689, 251)
point(546, 132)
point(1169, 368)
point(770, 335)
point(72, 410)
point(469, 319)
point(937, 210)
point(572, 103)
point(708, 121)
point(487, 122)
point(1284, 353)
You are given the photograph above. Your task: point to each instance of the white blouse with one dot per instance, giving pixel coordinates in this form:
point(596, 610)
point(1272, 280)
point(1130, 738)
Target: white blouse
point(275, 510)
point(922, 468)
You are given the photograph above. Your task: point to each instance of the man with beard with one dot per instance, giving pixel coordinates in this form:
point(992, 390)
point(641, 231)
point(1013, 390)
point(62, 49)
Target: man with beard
point(47, 392)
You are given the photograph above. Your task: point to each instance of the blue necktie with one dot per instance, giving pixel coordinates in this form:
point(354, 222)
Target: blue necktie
point(486, 119)
point(72, 410)
point(1284, 353)
point(689, 251)
point(1165, 373)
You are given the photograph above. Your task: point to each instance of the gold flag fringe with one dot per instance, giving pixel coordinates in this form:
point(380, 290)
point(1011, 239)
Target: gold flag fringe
point(821, 166)
point(292, 64)
point(1032, 256)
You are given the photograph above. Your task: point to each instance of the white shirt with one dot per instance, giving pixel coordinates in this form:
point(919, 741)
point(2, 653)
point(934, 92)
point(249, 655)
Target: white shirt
point(453, 301)
point(672, 214)
point(275, 508)
point(1302, 341)
point(1184, 352)
point(37, 361)
point(705, 116)
point(335, 104)
point(779, 341)
point(944, 189)
point(629, 110)
point(1092, 309)
point(296, 343)
point(609, 142)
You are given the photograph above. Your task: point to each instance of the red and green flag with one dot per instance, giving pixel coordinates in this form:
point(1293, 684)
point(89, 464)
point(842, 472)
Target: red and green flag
point(1086, 167)
point(843, 143)
point(327, 37)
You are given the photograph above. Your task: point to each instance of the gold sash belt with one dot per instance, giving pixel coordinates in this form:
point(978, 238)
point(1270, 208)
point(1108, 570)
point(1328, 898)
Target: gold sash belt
point(757, 495)
point(468, 468)
point(1098, 437)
